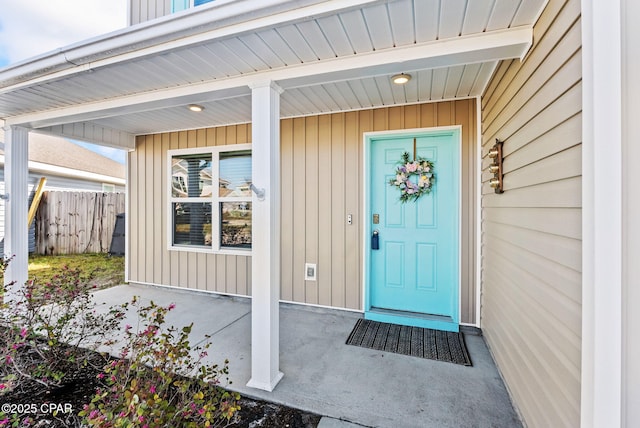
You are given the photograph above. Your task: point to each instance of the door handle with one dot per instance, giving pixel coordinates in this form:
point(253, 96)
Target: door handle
point(375, 240)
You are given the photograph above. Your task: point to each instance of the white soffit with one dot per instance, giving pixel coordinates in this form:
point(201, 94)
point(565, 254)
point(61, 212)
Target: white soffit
point(326, 62)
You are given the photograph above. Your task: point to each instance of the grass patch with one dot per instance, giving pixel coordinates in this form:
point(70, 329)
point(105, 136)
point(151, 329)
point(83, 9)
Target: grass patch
point(100, 269)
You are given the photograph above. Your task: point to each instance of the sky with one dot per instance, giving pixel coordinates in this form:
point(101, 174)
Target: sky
point(32, 27)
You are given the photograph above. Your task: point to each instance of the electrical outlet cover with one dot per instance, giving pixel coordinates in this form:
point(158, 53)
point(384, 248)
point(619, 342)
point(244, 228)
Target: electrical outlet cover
point(310, 272)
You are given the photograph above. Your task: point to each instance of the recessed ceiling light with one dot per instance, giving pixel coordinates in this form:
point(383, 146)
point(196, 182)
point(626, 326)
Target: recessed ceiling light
point(195, 107)
point(401, 79)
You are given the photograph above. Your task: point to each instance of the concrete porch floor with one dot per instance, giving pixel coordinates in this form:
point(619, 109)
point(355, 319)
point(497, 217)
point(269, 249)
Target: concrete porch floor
point(340, 382)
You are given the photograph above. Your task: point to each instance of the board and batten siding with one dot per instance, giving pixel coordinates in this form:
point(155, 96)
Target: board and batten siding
point(150, 260)
point(531, 234)
point(321, 183)
point(145, 10)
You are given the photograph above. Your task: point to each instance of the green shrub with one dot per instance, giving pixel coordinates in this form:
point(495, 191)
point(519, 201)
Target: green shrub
point(160, 380)
point(49, 330)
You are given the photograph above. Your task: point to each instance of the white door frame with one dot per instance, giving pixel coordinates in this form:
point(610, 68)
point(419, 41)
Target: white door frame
point(366, 208)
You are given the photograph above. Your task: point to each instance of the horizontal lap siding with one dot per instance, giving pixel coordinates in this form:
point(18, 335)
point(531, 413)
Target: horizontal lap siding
point(321, 179)
point(322, 185)
point(151, 261)
point(531, 234)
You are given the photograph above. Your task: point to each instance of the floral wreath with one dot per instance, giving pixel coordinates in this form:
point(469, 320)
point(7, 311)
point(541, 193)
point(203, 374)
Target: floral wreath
point(411, 190)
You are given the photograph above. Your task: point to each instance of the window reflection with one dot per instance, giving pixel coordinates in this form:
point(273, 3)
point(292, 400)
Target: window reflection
point(235, 228)
point(235, 174)
point(192, 223)
point(191, 176)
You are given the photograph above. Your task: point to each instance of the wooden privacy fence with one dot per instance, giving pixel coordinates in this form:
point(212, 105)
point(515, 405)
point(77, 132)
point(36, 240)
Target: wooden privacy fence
point(76, 222)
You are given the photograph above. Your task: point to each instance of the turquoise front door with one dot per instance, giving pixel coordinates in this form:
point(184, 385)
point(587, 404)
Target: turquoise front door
point(413, 274)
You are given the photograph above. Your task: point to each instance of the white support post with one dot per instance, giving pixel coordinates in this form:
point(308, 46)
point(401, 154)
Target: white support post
point(265, 261)
point(16, 235)
point(602, 186)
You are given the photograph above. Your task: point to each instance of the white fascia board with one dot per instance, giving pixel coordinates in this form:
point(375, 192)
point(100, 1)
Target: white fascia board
point(223, 18)
point(61, 171)
point(495, 45)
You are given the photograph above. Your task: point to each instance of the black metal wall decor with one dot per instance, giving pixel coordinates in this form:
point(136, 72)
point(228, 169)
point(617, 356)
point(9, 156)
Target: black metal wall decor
point(496, 167)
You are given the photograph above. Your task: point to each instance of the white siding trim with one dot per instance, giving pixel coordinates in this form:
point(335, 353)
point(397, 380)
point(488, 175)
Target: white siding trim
point(602, 215)
point(190, 291)
point(478, 218)
point(315, 305)
point(243, 296)
point(631, 225)
point(127, 221)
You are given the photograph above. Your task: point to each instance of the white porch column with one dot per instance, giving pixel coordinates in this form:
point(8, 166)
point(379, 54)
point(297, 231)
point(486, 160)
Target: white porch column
point(265, 260)
point(602, 399)
point(16, 232)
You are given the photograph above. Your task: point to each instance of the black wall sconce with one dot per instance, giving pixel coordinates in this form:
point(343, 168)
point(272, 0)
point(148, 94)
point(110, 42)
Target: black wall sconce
point(496, 167)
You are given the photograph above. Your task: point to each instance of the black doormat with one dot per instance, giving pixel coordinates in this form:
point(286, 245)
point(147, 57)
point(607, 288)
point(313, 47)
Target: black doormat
point(415, 341)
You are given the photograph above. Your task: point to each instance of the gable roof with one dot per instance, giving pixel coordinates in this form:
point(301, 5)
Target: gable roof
point(49, 150)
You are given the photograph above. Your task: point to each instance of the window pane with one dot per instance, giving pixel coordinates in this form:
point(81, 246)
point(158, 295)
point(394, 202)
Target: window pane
point(191, 176)
point(192, 224)
point(199, 2)
point(178, 5)
point(235, 230)
point(235, 174)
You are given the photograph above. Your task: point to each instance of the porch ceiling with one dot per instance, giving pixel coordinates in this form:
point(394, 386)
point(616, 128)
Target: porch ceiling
point(328, 56)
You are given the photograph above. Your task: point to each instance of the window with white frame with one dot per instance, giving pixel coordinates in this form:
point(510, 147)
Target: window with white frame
point(204, 217)
point(178, 5)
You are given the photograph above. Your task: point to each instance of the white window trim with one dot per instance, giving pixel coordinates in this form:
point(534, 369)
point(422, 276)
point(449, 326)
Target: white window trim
point(192, 3)
point(189, 6)
point(215, 248)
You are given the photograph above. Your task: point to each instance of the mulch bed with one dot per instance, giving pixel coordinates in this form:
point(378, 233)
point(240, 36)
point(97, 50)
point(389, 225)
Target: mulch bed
point(81, 385)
